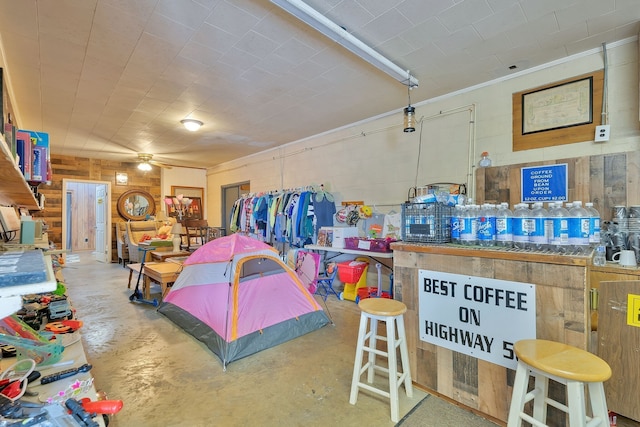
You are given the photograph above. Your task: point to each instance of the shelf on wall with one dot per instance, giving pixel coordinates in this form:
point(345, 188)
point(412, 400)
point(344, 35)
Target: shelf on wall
point(14, 189)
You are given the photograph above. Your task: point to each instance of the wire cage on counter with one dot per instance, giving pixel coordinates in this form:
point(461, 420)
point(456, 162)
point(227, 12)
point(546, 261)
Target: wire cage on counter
point(426, 222)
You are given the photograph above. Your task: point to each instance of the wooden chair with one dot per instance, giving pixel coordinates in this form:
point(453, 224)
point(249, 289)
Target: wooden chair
point(196, 231)
point(135, 231)
point(121, 244)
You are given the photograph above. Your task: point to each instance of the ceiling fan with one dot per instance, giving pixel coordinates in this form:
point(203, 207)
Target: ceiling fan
point(145, 161)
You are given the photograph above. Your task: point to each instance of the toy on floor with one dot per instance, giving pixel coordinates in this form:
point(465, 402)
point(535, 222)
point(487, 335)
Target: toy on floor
point(354, 276)
point(371, 292)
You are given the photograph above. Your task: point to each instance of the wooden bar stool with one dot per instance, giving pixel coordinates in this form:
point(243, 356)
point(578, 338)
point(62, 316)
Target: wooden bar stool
point(391, 312)
point(571, 366)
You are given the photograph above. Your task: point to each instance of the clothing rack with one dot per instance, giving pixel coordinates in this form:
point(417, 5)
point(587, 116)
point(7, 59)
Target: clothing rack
point(311, 187)
point(277, 215)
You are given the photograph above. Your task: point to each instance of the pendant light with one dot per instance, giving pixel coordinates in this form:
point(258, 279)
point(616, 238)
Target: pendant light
point(409, 111)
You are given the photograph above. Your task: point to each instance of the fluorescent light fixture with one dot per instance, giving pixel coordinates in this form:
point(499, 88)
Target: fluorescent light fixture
point(191, 124)
point(321, 23)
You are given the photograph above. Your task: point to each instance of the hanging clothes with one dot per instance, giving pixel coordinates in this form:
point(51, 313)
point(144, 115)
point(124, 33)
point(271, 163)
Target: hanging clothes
point(288, 216)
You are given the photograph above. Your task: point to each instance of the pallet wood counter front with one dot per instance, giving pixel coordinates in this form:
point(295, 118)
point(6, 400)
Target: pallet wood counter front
point(562, 314)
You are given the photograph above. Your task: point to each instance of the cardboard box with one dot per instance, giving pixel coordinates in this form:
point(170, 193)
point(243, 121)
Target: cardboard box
point(340, 233)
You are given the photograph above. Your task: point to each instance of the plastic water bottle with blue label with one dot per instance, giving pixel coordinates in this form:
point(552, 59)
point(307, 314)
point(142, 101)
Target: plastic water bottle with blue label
point(560, 228)
point(539, 233)
point(594, 224)
point(469, 228)
point(520, 226)
point(579, 229)
point(600, 257)
point(504, 228)
point(456, 221)
point(487, 225)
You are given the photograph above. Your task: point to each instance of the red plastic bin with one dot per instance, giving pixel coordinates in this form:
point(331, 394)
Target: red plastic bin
point(350, 271)
point(370, 292)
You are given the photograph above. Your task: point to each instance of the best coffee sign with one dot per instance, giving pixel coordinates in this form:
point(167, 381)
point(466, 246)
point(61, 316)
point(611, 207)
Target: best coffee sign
point(476, 316)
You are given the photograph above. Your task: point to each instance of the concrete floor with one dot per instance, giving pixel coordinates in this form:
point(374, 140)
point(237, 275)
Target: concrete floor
point(167, 378)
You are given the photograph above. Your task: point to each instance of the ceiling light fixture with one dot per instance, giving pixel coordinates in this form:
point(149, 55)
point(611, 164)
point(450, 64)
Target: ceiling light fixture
point(409, 111)
point(191, 124)
point(321, 23)
point(144, 166)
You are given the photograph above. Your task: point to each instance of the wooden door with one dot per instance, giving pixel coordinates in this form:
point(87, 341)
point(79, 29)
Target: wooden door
point(618, 344)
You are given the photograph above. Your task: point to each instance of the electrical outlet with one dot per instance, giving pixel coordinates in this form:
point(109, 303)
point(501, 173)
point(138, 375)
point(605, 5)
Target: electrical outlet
point(602, 133)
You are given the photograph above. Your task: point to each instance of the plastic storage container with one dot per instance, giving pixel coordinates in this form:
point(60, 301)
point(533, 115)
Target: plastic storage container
point(426, 222)
point(350, 271)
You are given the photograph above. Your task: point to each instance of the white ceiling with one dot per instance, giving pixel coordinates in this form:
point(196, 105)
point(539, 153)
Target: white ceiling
point(112, 78)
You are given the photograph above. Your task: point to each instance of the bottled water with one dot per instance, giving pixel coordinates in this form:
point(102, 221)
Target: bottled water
point(579, 229)
point(487, 225)
point(539, 232)
point(560, 228)
point(594, 224)
point(456, 221)
point(520, 226)
point(469, 230)
point(560, 235)
point(504, 229)
point(600, 258)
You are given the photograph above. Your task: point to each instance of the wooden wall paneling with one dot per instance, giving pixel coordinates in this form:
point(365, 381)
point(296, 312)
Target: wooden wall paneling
point(561, 313)
point(480, 187)
point(633, 172)
point(84, 169)
point(444, 362)
point(596, 182)
point(493, 396)
point(615, 182)
point(581, 183)
point(496, 185)
point(465, 378)
point(605, 180)
point(571, 180)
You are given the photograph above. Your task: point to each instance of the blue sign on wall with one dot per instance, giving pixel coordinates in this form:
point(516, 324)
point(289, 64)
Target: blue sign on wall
point(544, 183)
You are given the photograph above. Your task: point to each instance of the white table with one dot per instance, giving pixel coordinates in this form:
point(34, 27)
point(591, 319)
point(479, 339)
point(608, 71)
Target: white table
point(371, 254)
point(383, 258)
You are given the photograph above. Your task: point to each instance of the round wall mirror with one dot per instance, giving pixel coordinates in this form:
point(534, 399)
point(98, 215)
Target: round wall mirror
point(135, 205)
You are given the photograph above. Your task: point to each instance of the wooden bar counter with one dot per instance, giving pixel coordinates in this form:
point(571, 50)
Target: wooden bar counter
point(562, 314)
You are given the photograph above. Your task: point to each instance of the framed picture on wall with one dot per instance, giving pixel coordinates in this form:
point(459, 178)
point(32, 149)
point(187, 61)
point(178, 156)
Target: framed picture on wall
point(192, 193)
point(558, 113)
point(194, 211)
point(189, 192)
point(122, 178)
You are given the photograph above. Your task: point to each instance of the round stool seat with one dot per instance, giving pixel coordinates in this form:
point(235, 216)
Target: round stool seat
point(382, 307)
point(562, 360)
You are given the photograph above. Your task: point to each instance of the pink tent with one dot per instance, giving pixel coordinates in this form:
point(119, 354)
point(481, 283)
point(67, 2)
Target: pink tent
point(237, 296)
